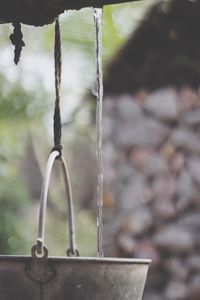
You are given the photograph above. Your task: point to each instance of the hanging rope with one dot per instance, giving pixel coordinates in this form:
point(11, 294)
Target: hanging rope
point(17, 40)
point(58, 68)
point(56, 154)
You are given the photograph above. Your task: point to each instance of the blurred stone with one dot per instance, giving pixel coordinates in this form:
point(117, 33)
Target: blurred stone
point(155, 204)
point(110, 154)
point(109, 157)
point(188, 98)
point(174, 240)
point(164, 209)
point(194, 288)
point(185, 186)
point(194, 168)
point(163, 104)
point(197, 202)
point(192, 118)
point(157, 279)
point(182, 138)
point(164, 187)
point(174, 266)
point(190, 222)
point(108, 127)
point(134, 194)
point(126, 243)
point(146, 132)
point(108, 198)
point(177, 162)
point(193, 263)
point(146, 249)
point(109, 106)
point(149, 163)
point(167, 150)
point(141, 96)
point(176, 291)
point(152, 297)
point(124, 172)
point(139, 221)
point(182, 204)
point(127, 109)
point(110, 175)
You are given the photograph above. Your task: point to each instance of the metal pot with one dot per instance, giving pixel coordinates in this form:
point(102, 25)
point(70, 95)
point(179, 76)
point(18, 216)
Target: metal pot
point(39, 277)
point(54, 278)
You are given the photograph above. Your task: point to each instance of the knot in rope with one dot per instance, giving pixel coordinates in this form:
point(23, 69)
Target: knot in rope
point(17, 40)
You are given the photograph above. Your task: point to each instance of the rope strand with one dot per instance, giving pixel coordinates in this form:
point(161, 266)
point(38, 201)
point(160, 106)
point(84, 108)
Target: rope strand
point(58, 69)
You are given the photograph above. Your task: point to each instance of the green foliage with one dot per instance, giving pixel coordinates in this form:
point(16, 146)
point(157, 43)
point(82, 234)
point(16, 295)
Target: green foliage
point(13, 198)
point(19, 108)
point(17, 104)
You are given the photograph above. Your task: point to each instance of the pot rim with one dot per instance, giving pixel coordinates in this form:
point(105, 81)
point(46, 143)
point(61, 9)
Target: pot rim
point(84, 259)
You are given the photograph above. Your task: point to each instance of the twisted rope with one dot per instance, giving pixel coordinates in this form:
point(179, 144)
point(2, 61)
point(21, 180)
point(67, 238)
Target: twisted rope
point(58, 69)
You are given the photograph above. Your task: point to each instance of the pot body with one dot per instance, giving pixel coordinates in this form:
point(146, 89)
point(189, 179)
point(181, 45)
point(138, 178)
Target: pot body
point(72, 278)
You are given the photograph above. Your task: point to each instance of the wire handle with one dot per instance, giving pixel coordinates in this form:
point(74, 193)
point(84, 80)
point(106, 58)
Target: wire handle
point(72, 250)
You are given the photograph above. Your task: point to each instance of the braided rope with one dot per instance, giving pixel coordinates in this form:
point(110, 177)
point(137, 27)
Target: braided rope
point(58, 69)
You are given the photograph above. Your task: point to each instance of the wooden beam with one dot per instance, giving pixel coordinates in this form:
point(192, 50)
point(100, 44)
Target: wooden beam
point(41, 12)
point(78, 4)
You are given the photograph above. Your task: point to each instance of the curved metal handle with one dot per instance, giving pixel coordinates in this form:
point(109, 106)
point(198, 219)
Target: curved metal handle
point(72, 251)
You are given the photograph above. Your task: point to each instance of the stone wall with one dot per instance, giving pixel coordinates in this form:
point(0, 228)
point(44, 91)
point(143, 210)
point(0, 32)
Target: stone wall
point(152, 187)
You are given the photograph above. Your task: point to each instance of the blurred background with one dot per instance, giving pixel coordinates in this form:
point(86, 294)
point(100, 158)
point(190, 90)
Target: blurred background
point(151, 142)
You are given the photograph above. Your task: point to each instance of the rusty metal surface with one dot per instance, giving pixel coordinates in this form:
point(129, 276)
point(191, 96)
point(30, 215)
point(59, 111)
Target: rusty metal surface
point(53, 278)
point(41, 12)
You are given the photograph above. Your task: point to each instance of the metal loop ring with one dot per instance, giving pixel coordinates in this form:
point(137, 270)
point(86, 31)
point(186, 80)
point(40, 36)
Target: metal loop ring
point(43, 204)
point(73, 254)
point(42, 255)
